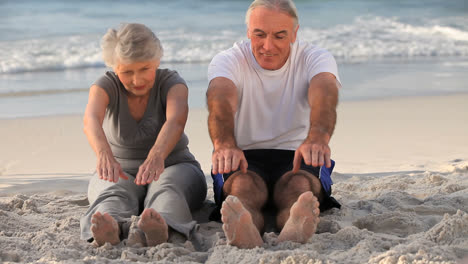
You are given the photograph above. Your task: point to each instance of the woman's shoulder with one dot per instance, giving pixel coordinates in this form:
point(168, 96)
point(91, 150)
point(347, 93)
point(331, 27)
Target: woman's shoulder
point(109, 77)
point(168, 77)
point(108, 80)
point(164, 73)
point(110, 83)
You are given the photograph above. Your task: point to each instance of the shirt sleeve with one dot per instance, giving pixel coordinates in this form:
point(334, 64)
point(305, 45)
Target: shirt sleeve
point(110, 84)
point(320, 60)
point(224, 64)
point(166, 79)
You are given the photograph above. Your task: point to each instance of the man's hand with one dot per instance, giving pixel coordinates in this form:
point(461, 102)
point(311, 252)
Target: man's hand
point(108, 168)
point(314, 152)
point(150, 170)
point(227, 159)
point(323, 99)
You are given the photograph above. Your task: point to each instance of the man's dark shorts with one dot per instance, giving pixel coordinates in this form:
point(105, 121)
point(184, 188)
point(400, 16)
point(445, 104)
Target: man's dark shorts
point(271, 164)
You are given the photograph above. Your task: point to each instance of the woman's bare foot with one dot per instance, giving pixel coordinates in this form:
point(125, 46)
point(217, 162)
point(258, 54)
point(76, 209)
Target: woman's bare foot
point(104, 229)
point(136, 237)
point(303, 219)
point(238, 225)
point(154, 227)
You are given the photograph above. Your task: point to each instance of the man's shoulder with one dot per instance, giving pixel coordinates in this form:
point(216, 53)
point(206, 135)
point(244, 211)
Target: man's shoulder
point(235, 57)
point(308, 48)
point(239, 49)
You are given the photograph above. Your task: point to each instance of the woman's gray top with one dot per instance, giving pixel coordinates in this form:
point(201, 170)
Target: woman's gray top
point(131, 141)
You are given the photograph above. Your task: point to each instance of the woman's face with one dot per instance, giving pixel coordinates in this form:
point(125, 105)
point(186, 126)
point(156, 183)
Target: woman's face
point(137, 77)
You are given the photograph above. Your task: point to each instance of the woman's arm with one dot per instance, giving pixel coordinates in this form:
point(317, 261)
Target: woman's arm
point(107, 167)
point(171, 131)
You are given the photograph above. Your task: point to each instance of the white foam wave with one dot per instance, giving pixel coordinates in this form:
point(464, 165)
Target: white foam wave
point(364, 39)
point(49, 54)
point(372, 37)
point(62, 53)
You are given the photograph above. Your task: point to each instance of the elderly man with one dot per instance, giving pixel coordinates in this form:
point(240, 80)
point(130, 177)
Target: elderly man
point(272, 111)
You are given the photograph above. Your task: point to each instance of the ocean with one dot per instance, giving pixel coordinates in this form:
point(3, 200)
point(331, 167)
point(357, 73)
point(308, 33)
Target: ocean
point(50, 53)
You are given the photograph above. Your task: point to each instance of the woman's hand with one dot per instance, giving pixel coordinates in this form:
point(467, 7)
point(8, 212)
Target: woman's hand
point(108, 168)
point(150, 170)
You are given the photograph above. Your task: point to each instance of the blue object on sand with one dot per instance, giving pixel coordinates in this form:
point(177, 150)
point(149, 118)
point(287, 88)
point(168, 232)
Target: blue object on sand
point(218, 182)
point(325, 177)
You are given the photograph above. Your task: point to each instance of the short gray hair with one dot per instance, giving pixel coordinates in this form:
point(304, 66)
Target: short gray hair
point(286, 6)
point(130, 43)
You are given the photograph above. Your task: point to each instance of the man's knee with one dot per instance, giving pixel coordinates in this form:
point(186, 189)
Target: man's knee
point(292, 185)
point(299, 183)
point(293, 181)
point(246, 185)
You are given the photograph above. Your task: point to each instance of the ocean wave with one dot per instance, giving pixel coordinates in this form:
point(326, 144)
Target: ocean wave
point(377, 37)
point(366, 38)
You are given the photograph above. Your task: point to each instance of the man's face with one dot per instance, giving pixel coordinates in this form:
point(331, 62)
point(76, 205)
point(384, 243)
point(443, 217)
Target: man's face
point(271, 32)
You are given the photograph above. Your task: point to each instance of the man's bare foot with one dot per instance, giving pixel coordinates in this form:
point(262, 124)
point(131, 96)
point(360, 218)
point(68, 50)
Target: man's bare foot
point(104, 229)
point(154, 227)
point(238, 225)
point(303, 219)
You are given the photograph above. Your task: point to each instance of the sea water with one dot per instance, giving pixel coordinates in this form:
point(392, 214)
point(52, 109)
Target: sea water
point(50, 53)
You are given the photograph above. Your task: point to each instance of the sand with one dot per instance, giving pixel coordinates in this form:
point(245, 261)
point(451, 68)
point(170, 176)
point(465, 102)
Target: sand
point(401, 176)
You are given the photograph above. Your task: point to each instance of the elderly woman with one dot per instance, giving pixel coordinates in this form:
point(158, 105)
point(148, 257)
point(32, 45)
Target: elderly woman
point(134, 121)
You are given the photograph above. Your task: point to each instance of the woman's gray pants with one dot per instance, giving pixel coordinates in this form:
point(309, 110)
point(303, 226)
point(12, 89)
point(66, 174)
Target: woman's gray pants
point(180, 189)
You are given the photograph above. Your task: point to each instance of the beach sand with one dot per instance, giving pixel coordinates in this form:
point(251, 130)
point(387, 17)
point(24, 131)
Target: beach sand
point(401, 175)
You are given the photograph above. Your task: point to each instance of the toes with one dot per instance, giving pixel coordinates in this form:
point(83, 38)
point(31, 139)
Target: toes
point(107, 217)
point(226, 228)
point(152, 213)
point(307, 196)
point(145, 214)
point(316, 212)
point(230, 198)
point(224, 210)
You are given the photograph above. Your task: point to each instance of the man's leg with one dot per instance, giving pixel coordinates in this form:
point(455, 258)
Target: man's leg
point(297, 197)
point(241, 211)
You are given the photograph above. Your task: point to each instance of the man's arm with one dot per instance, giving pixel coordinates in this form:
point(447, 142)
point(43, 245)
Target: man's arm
point(323, 99)
point(222, 106)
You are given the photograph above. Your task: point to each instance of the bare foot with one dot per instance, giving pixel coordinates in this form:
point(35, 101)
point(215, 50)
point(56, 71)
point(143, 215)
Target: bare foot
point(104, 229)
point(154, 227)
point(303, 219)
point(238, 225)
point(136, 237)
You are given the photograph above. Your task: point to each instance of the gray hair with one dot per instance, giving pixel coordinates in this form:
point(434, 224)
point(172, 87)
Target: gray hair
point(286, 6)
point(130, 43)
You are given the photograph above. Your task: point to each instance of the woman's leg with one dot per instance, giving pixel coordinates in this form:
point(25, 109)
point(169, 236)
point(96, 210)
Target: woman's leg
point(119, 200)
point(180, 189)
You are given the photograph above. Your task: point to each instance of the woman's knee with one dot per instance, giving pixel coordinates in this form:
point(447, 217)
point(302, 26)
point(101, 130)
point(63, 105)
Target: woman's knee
point(183, 180)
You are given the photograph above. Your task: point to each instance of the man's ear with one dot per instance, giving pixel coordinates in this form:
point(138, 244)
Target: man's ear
point(295, 34)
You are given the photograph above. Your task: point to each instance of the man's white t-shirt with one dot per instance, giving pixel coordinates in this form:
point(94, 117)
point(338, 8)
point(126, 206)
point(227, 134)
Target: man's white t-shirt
point(273, 110)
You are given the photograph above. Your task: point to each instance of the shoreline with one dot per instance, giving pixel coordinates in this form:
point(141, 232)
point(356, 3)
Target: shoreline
point(405, 133)
point(198, 108)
